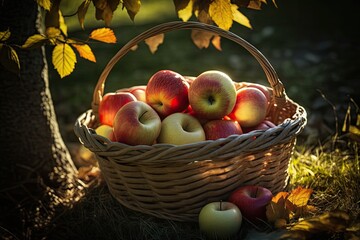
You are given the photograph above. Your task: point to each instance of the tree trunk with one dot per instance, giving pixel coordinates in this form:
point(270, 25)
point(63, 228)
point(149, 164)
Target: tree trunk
point(37, 174)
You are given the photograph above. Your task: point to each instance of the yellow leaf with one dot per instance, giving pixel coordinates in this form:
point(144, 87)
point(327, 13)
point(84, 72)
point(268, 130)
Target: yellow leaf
point(132, 7)
point(52, 32)
point(300, 196)
point(62, 24)
point(103, 35)
point(85, 51)
point(9, 58)
point(154, 42)
point(63, 59)
point(239, 17)
point(46, 4)
point(82, 10)
point(35, 40)
point(5, 35)
point(185, 12)
point(220, 12)
point(216, 42)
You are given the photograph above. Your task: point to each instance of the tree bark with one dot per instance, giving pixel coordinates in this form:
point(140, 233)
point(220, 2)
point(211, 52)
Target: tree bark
point(37, 173)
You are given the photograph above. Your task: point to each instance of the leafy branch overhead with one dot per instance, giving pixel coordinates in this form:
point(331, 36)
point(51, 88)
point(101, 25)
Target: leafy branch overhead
point(222, 13)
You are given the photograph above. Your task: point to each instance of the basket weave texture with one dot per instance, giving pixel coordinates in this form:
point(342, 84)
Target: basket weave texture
point(175, 182)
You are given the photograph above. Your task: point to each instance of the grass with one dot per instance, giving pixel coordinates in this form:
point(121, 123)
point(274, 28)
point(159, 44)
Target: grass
point(333, 171)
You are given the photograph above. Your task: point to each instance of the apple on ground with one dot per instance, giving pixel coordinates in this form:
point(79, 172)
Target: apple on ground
point(105, 131)
point(220, 220)
point(110, 105)
point(252, 201)
point(212, 95)
point(250, 108)
point(220, 128)
point(264, 125)
point(167, 92)
point(180, 128)
point(137, 123)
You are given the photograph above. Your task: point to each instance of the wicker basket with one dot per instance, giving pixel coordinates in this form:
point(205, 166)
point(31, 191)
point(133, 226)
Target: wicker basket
point(175, 182)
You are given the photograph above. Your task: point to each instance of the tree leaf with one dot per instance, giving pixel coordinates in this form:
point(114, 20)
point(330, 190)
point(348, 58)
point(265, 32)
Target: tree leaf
point(220, 12)
point(300, 196)
point(62, 24)
point(46, 4)
point(201, 38)
point(132, 7)
point(154, 42)
point(9, 59)
point(105, 9)
point(239, 17)
point(82, 10)
point(184, 9)
point(35, 41)
point(252, 4)
point(5, 35)
point(63, 59)
point(85, 51)
point(216, 42)
point(103, 35)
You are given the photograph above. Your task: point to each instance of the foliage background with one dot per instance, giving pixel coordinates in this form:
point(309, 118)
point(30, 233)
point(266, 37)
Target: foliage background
point(312, 45)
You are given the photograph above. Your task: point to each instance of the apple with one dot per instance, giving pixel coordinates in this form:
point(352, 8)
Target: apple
point(212, 95)
point(264, 125)
point(137, 123)
point(105, 131)
point(110, 105)
point(220, 219)
point(167, 92)
point(262, 88)
point(180, 128)
point(250, 108)
point(252, 201)
point(139, 92)
point(219, 128)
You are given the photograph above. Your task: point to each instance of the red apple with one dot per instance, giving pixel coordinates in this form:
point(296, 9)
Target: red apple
point(263, 89)
point(110, 105)
point(167, 92)
point(212, 95)
point(250, 107)
point(252, 201)
point(219, 128)
point(220, 220)
point(264, 125)
point(137, 123)
point(139, 92)
point(181, 128)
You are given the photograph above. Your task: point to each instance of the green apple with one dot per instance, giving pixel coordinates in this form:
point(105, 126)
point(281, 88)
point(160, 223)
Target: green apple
point(212, 95)
point(181, 128)
point(220, 219)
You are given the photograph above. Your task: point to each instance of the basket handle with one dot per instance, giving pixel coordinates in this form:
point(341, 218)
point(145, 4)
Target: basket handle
point(279, 95)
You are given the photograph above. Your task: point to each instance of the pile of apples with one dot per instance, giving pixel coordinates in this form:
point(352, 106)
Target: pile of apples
point(175, 109)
